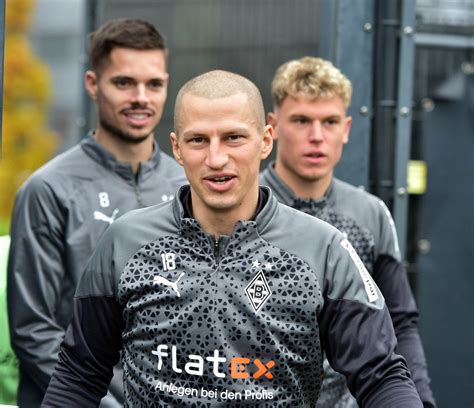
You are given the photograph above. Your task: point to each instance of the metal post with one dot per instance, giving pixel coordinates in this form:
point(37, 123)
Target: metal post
point(404, 119)
point(385, 92)
point(346, 35)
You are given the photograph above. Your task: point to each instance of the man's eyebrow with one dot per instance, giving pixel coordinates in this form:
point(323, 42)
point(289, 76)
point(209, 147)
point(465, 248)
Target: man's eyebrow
point(117, 77)
point(299, 115)
point(159, 78)
point(192, 133)
point(233, 131)
point(237, 130)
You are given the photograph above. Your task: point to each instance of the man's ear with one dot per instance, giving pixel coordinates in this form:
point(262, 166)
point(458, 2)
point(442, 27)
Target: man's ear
point(347, 129)
point(176, 149)
point(90, 82)
point(267, 141)
point(272, 120)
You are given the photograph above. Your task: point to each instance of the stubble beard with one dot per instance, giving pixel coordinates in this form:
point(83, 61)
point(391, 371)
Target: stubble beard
point(121, 135)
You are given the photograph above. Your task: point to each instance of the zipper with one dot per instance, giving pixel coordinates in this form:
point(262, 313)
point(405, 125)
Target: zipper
point(216, 247)
point(137, 190)
point(137, 193)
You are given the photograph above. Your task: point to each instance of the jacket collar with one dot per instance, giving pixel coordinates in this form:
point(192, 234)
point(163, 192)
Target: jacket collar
point(286, 195)
point(267, 205)
point(102, 156)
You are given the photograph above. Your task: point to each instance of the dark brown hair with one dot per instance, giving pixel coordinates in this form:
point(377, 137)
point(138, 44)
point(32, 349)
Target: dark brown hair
point(125, 33)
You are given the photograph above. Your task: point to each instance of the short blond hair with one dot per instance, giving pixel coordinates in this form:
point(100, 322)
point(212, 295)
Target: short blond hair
point(220, 84)
point(314, 77)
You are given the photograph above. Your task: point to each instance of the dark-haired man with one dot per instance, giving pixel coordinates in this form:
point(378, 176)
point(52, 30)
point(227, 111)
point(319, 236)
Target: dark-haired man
point(220, 297)
point(64, 207)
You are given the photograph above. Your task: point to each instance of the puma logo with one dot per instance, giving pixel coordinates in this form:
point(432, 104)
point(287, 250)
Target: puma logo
point(166, 282)
point(102, 217)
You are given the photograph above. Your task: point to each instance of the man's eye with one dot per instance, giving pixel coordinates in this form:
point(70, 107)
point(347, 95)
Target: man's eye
point(196, 140)
point(156, 84)
point(332, 122)
point(122, 83)
point(301, 120)
point(234, 138)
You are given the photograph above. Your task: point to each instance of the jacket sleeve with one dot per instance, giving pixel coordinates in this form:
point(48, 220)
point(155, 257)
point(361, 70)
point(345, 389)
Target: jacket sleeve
point(90, 349)
point(391, 277)
point(35, 272)
point(93, 340)
point(358, 336)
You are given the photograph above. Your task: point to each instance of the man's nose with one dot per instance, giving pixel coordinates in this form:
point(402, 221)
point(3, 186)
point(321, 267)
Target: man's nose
point(217, 158)
point(316, 132)
point(140, 95)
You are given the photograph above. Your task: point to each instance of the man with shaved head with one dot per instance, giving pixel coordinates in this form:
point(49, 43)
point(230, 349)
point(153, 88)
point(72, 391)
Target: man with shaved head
point(216, 298)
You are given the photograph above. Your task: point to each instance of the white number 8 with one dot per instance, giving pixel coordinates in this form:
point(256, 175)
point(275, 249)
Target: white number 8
point(104, 199)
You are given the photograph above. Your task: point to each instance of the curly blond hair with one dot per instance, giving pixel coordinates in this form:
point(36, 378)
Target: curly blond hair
point(314, 77)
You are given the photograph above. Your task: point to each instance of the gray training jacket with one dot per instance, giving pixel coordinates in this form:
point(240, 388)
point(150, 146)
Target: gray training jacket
point(241, 321)
point(368, 225)
point(59, 215)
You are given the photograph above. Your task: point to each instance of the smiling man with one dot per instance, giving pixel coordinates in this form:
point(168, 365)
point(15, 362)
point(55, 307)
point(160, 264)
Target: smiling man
point(224, 297)
point(223, 170)
point(63, 209)
point(311, 98)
